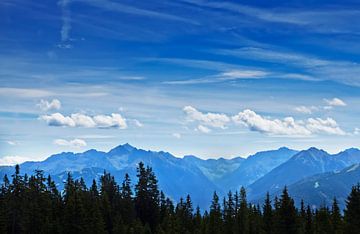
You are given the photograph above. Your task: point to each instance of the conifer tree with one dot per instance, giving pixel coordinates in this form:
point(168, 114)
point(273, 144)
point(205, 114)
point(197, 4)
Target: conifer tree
point(229, 214)
point(336, 219)
point(215, 222)
point(286, 214)
point(309, 229)
point(127, 205)
point(147, 196)
point(322, 221)
point(267, 215)
point(352, 211)
point(243, 213)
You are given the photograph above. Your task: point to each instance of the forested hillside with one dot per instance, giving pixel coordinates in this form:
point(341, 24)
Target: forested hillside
point(33, 204)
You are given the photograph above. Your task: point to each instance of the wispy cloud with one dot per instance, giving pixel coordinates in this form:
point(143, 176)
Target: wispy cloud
point(176, 135)
point(75, 143)
point(127, 9)
point(66, 24)
point(321, 20)
point(242, 74)
point(13, 160)
point(12, 143)
point(305, 109)
point(203, 129)
point(335, 102)
point(319, 69)
point(25, 92)
point(45, 105)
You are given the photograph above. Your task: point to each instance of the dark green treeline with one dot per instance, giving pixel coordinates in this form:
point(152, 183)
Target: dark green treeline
point(32, 204)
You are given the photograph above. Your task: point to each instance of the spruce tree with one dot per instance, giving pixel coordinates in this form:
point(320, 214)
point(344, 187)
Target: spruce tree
point(243, 213)
point(336, 219)
point(267, 215)
point(352, 211)
point(215, 222)
point(286, 214)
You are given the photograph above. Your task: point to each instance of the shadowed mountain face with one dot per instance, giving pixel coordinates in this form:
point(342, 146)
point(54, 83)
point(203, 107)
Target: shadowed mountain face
point(256, 166)
point(261, 172)
point(321, 189)
point(304, 164)
point(176, 177)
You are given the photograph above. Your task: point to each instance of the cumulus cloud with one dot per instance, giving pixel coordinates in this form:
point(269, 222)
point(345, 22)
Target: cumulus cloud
point(288, 125)
point(76, 143)
point(255, 122)
point(335, 102)
point(203, 129)
point(328, 125)
point(82, 120)
point(176, 135)
point(206, 119)
point(45, 105)
point(357, 131)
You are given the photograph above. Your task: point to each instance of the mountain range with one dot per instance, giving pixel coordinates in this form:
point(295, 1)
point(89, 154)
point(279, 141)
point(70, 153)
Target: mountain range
point(312, 174)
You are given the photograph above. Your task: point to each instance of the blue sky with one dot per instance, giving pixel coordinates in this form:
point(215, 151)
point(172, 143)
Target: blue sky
point(210, 78)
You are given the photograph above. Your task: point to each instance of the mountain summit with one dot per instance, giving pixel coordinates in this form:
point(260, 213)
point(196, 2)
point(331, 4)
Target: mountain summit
point(261, 172)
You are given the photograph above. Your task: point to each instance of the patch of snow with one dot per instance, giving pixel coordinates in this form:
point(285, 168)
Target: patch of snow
point(353, 168)
point(316, 185)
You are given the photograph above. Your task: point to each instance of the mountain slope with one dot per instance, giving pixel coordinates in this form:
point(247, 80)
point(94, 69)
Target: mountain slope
point(304, 164)
point(176, 177)
point(256, 166)
point(215, 169)
point(322, 188)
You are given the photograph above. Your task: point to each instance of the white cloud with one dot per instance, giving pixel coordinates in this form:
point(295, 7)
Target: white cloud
point(107, 121)
point(82, 120)
point(58, 119)
point(24, 93)
point(242, 74)
point(288, 125)
point(176, 135)
point(127, 9)
point(335, 102)
point(209, 119)
point(327, 125)
point(357, 131)
point(203, 129)
point(66, 20)
point(137, 123)
point(45, 105)
point(255, 122)
point(13, 160)
point(303, 109)
point(12, 143)
point(76, 143)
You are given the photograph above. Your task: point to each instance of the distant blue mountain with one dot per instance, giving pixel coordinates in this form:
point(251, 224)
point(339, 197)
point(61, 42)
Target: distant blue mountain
point(254, 167)
point(261, 172)
point(321, 189)
point(304, 164)
point(176, 177)
point(216, 169)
